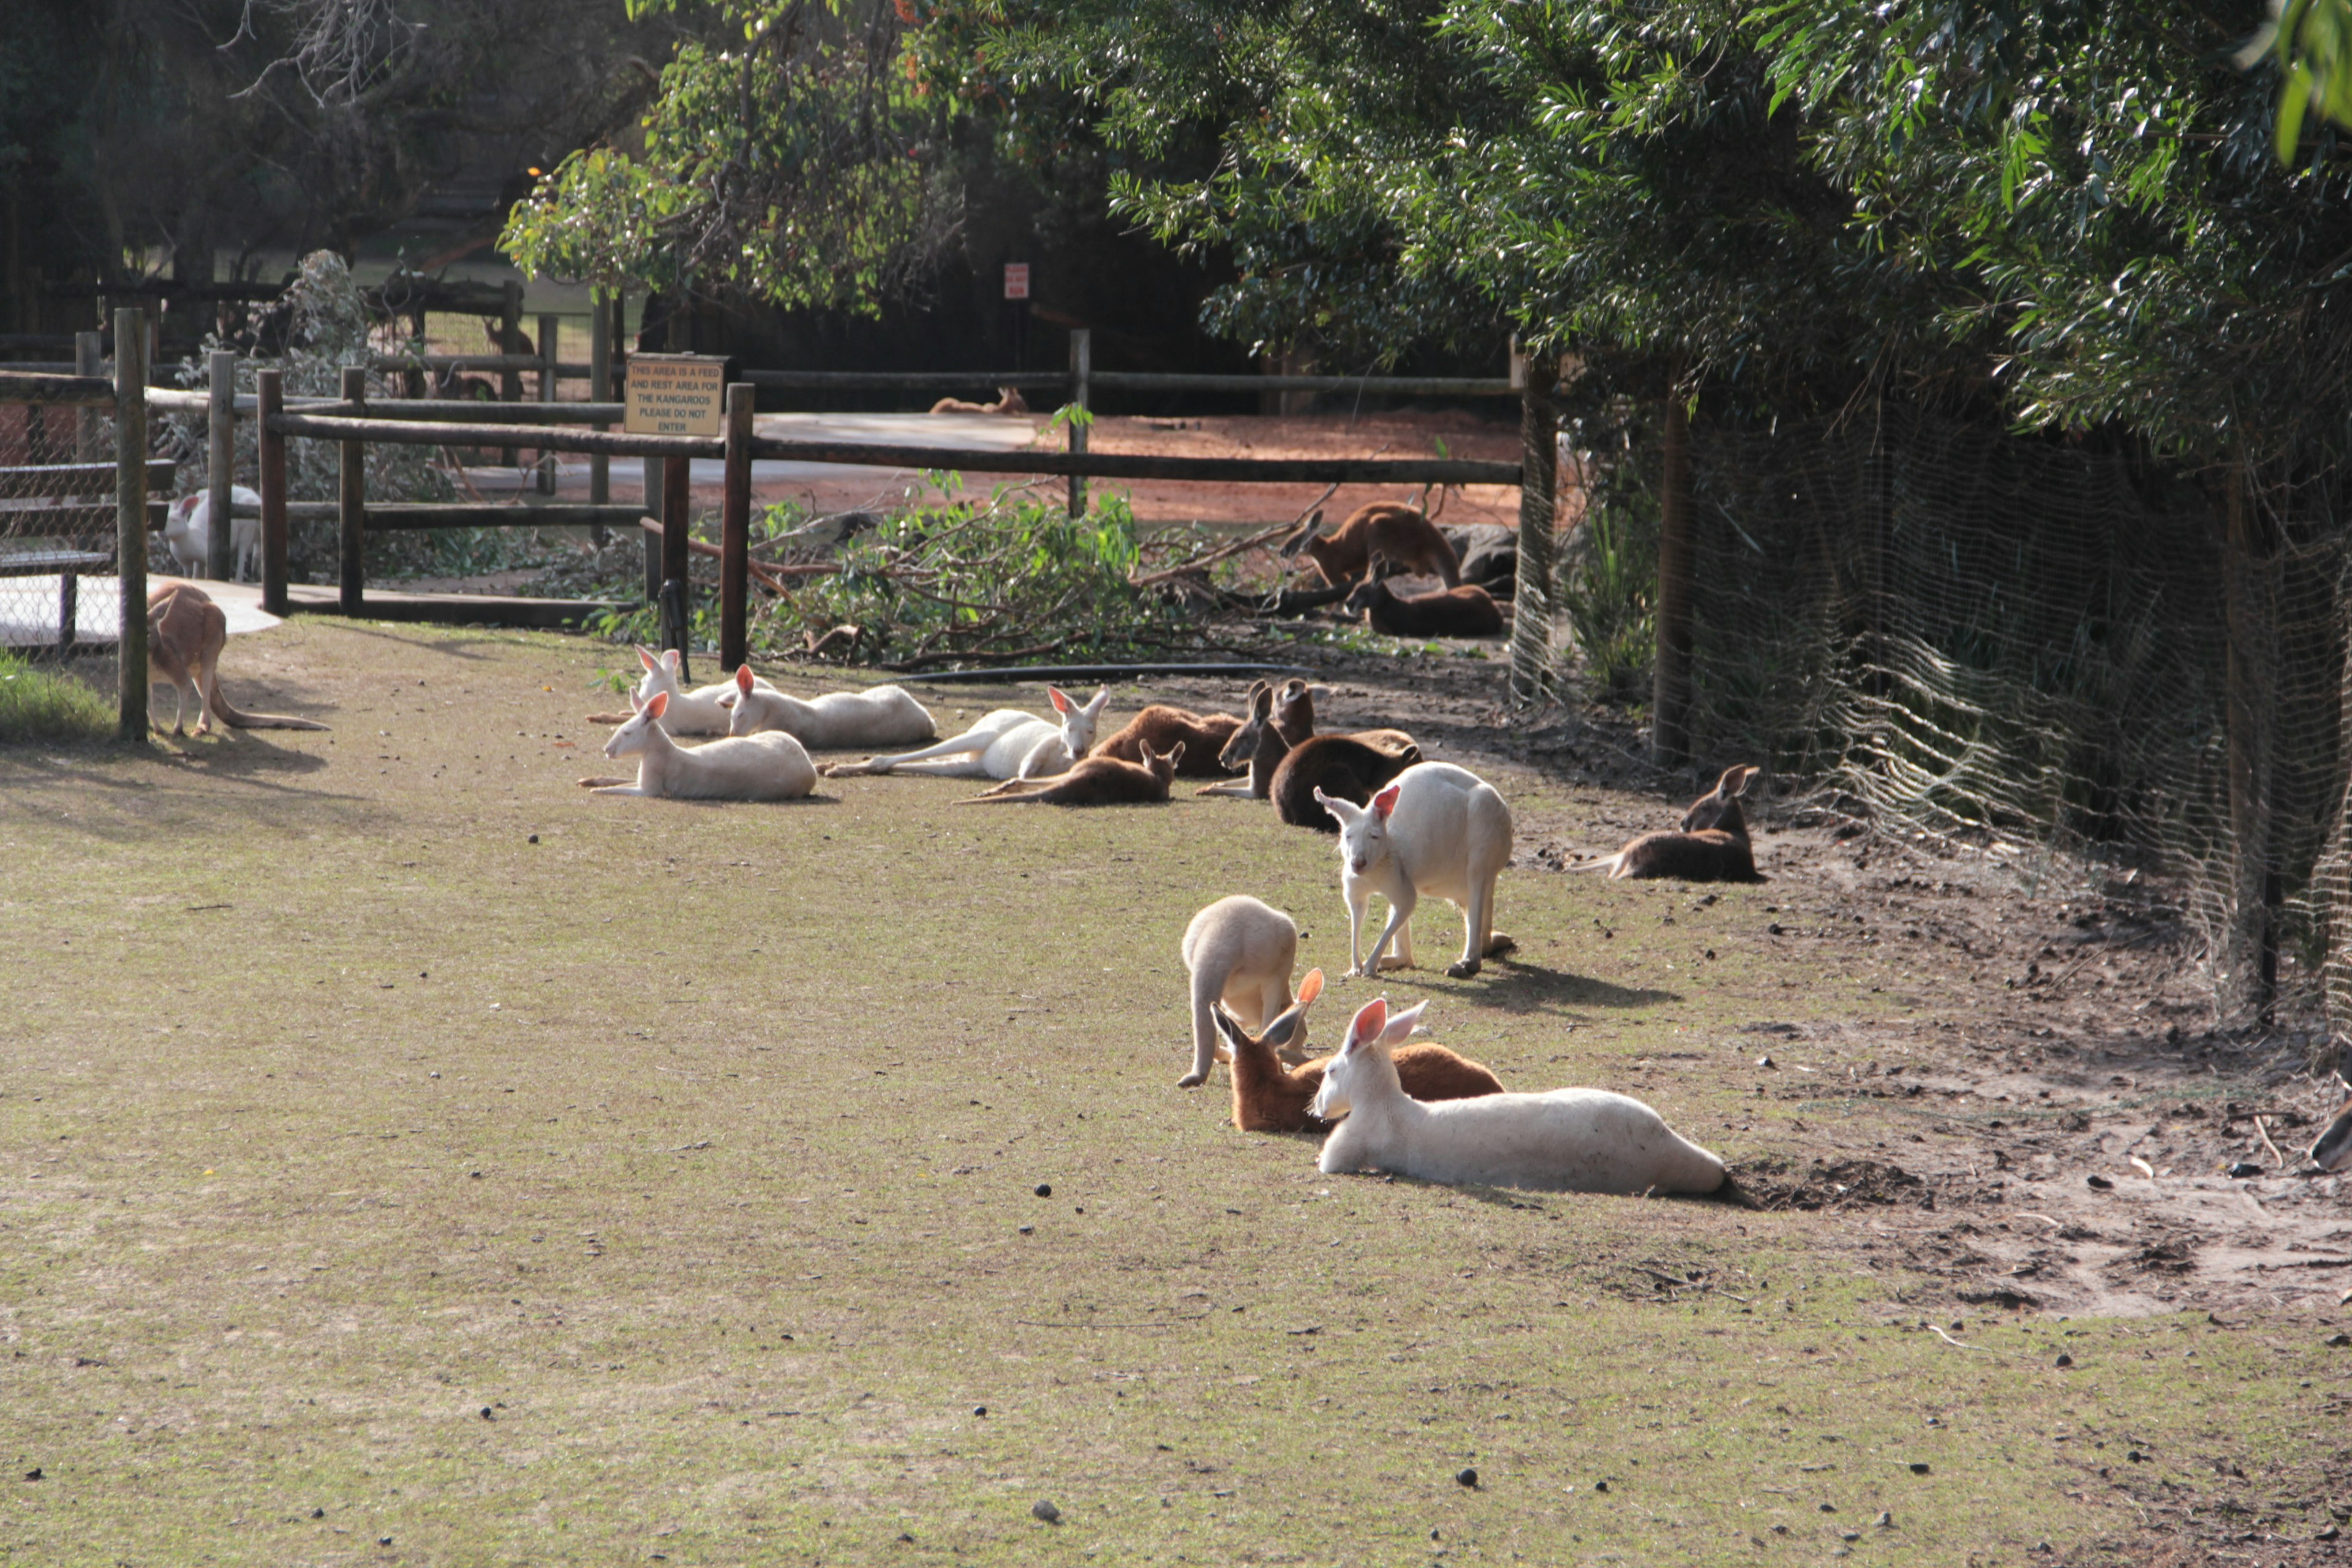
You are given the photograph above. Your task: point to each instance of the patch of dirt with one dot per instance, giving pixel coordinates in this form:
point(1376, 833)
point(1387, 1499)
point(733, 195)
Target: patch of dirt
point(1774, 1182)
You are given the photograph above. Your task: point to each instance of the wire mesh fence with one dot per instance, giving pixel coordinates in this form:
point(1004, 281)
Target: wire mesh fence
point(57, 527)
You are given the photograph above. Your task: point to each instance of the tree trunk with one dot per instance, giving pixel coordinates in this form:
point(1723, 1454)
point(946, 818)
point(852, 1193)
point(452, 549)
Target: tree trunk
point(2250, 586)
point(1670, 689)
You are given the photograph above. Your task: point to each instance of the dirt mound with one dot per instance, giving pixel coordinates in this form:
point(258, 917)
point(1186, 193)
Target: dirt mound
point(1841, 1183)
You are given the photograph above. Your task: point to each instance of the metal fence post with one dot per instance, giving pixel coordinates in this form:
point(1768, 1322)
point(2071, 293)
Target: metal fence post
point(735, 533)
point(220, 471)
point(131, 518)
point(351, 501)
point(1082, 365)
point(269, 386)
point(1538, 486)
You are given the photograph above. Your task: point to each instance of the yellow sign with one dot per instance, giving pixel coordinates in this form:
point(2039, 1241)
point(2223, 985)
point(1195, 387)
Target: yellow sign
point(676, 395)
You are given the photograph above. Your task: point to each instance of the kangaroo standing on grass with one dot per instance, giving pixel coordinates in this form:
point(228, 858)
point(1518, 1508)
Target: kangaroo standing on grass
point(1097, 781)
point(1267, 1098)
point(1005, 744)
point(879, 716)
point(1572, 1140)
point(1711, 846)
point(1240, 951)
point(1402, 534)
point(771, 767)
point(1438, 829)
point(185, 634)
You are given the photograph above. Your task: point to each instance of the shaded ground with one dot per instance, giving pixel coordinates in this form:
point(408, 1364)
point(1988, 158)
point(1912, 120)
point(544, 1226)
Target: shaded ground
point(387, 1128)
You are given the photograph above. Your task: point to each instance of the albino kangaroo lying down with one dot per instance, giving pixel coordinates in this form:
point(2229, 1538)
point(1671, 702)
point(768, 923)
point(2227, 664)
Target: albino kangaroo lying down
point(880, 716)
point(701, 712)
point(744, 767)
point(1572, 1140)
point(1005, 744)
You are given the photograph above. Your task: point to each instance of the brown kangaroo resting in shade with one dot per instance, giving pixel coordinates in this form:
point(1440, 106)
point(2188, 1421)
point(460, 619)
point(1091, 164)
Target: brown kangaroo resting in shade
point(1402, 534)
point(1711, 846)
point(1262, 744)
point(1271, 1098)
point(1097, 781)
point(1466, 612)
point(1008, 401)
point(1202, 737)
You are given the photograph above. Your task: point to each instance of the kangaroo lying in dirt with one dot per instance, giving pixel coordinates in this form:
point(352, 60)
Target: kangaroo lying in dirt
point(1097, 781)
point(1005, 744)
point(1239, 952)
point(1464, 612)
point(1572, 1139)
point(1712, 845)
point(771, 767)
point(185, 634)
point(1008, 401)
point(1269, 1097)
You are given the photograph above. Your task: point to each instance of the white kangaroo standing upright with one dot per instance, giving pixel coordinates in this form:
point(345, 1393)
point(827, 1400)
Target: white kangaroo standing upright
point(748, 767)
point(879, 716)
point(1241, 952)
point(1572, 1140)
point(187, 532)
point(1437, 829)
point(701, 712)
point(1005, 744)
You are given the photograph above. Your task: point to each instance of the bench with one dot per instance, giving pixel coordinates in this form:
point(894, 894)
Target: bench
point(67, 565)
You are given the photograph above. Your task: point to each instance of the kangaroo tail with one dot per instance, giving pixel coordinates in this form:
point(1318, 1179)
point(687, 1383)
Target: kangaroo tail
point(992, 798)
point(1607, 863)
point(239, 718)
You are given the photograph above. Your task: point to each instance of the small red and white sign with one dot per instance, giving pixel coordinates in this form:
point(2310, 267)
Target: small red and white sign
point(1016, 280)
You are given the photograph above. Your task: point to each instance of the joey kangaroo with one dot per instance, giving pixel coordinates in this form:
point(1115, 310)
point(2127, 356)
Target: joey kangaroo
point(1097, 781)
point(1464, 612)
point(1239, 952)
point(1711, 846)
point(1402, 534)
point(1005, 744)
point(1269, 1097)
point(185, 634)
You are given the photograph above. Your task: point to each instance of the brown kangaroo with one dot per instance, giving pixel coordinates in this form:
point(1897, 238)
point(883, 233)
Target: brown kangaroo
point(1097, 781)
point(1465, 612)
point(2332, 1150)
point(1711, 846)
point(1008, 401)
point(185, 634)
point(1271, 1098)
point(1402, 534)
point(1202, 737)
point(1365, 760)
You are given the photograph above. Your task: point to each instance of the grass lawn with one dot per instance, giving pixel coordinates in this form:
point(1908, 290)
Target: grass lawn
point(408, 1158)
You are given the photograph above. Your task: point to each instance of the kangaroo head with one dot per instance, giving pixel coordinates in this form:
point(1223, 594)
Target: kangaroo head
point(1363, 829)
point(1720, 807)
point(661, 672)
point(743, 715)
point(1163, 766)
point(1286, 1029)
point(1079, 720)
point(1246, 740)
point(2333, 1149)
point(1345, 1069)
point(637, 734)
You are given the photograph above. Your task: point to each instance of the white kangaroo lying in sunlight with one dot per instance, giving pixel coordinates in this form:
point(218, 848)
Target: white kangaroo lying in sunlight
point(1572, 1139)
point(1005, 744)
point(1437, 829)
point(701, 712)
point(748, 767)
point(879, 716)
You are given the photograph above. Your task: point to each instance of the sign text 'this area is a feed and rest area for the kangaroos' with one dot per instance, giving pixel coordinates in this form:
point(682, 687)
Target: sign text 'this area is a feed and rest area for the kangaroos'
point(676, 395)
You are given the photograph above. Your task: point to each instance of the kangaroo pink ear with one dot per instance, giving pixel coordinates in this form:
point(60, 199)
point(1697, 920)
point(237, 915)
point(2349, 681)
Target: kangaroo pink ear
point(637, 703)
point(658, 704)
point(1366, 1024)
point(670, 659)
point(645, 656)
point(743, 679)
point(1400, 1028)
point(1061, 698)
point(1311, 987)
point(1385, 802)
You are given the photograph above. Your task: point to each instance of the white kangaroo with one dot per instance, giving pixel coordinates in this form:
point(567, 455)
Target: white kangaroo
point(1005, 744)
point(187, 532)
point(750, 767)
point(879, 716)
point(1241, 952)
point(701, 712)
point(1437, 829)
point(1572, 1140)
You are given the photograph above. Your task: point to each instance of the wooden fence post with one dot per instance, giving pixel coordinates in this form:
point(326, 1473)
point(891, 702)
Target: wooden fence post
point(131, 518)
point(220, 465)
point(655, 480)
point(1670, 692)
point(90, 358)
point(1531, 595)
point(351, 503)
point(1082, 365)
point(677, 524)
point(270, 399)
point(735, 534)
point(551, 331)
point(600, 390)
point(509, 342)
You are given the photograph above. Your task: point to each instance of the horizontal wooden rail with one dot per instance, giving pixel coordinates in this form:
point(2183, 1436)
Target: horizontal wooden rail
point(454, 411)
point(441, 433)
point(884, 379)
point(411, 515)
point(75, 478)
point(82, 391)
point(1145, 466)
point(28, 518)
point(566, 369)
point(1378, 385)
